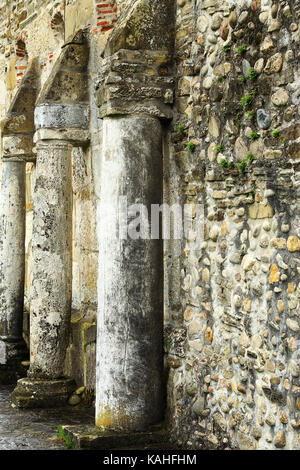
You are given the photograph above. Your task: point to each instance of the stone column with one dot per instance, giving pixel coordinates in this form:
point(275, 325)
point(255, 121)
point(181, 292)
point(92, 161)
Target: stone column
point(129, 391)
point(58, 128)
point(51, 260)
point(133, 105)
point(51, 279)
point(12, 269)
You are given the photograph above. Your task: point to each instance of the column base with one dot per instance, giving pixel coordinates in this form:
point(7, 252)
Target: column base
point(38, 393)
point(94, 438)
point(10, 374)
point(13, 358)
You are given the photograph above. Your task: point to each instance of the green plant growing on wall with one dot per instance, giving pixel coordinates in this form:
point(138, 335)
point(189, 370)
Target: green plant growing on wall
point(252, 195)
point(60, 433)
point(275, 133)
point(169, 344)
point(66, 439)
point(180, 129)
point(250, 157)
point(241, 166)
point(191, 147)
point(254, 135)
point(241, 49)
point(252, 74)
point(238, 118)
point(246, 100)
point(219, 79)
point(250, 114)
point(68, 442)
point(226, 48)
point(242, 79)
point(224, 163)
point(219, 148)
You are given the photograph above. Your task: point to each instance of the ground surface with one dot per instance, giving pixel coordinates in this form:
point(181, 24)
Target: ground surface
point(35, 429)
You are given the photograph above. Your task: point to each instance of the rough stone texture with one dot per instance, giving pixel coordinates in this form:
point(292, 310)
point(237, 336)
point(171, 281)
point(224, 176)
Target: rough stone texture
point(67, 82)
point(51, 260)
point(33, 393)
point(231, 301)
point(12, 248)
point(12, 269)
point(133, 82)
point(137, 85)
point(140, 27)
point(20, 115)
point(237, 312)
point(130, 282)
point(62, 116)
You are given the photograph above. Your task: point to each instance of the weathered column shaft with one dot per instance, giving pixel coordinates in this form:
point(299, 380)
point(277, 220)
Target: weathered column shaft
point(12, 259)
point(51, 260)
point(61, 120)
point(130, 283)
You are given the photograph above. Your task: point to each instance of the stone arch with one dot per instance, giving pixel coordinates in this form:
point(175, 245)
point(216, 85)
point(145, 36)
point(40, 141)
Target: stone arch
point(67, 82)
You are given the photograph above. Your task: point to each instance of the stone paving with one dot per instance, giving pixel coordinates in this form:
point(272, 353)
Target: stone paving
point(35, 429)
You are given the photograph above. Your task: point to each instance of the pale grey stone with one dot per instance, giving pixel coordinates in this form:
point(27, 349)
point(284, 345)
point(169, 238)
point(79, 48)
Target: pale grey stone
point(263, 119)
point(62, 115)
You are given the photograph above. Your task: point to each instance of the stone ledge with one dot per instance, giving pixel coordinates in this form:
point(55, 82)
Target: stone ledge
point(94, 438)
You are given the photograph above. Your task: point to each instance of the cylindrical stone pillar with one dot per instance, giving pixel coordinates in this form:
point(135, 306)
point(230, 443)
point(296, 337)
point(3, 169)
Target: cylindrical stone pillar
point(50, 303)
point(129, 391)
point(51, 260)
point(12, 267)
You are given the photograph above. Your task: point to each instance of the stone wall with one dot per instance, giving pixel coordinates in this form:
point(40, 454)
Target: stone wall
point(233, 347)
point(231, 300)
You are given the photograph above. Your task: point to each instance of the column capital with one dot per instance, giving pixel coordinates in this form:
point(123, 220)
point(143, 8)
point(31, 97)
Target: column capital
point(61, 116)
point(18, 147)
point(74, 137)
point(136, 82)
point(62, 122)
point(61, 144)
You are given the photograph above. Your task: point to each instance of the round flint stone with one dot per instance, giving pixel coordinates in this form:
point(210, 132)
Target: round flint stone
point(246, 67)
point(263, 119)
point(56, 116)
